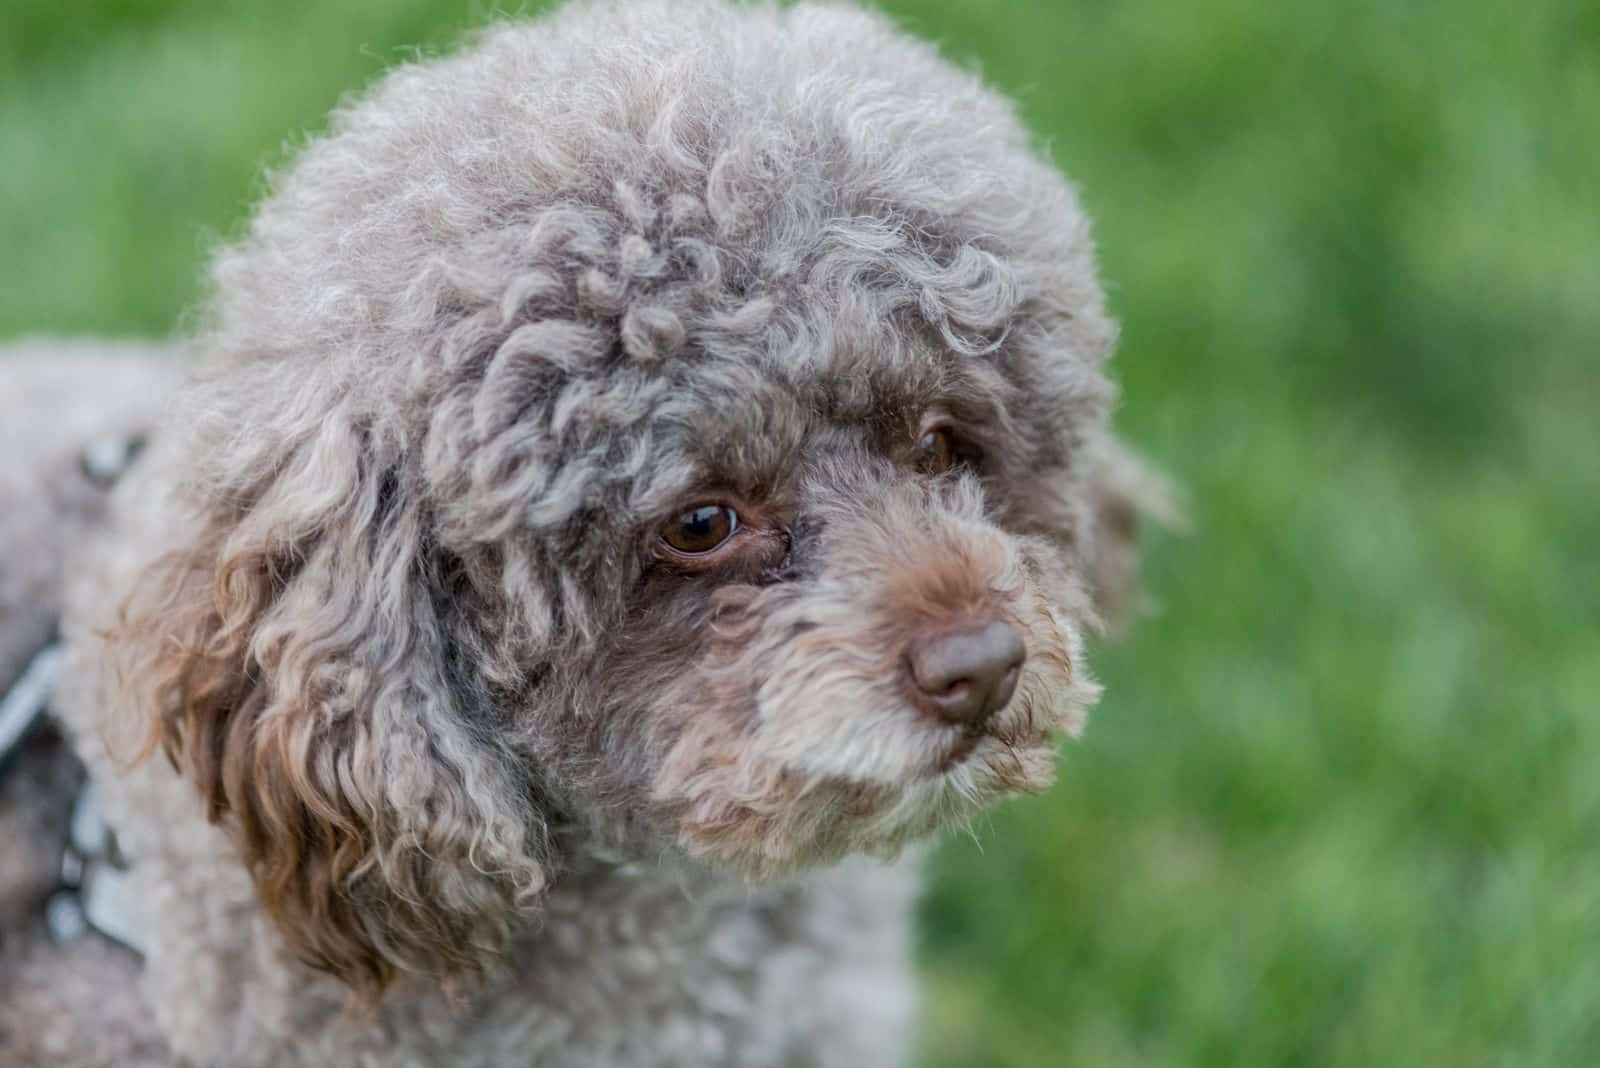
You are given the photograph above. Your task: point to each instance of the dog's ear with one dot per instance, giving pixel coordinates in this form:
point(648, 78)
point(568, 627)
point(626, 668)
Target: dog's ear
point(1124, 492)
point(297, 656)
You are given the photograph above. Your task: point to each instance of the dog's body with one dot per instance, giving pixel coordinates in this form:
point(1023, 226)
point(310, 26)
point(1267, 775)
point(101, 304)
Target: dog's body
point(635, 467)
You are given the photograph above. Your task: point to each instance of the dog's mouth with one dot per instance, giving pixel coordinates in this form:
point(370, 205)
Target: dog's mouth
point(964, 746)
point(766, 817)
point(989, 744)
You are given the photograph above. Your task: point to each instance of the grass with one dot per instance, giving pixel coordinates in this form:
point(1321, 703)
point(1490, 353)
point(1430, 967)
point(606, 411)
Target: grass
point(1341, 805)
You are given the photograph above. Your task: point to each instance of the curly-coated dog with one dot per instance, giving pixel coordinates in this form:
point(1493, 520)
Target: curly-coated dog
point(642, 472)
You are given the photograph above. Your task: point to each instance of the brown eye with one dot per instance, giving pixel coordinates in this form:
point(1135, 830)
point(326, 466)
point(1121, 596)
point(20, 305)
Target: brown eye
point(941, 449)
point(938, 451)
point(699, 530)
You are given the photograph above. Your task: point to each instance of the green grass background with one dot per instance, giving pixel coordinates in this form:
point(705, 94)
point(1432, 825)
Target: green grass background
point(1341, 805)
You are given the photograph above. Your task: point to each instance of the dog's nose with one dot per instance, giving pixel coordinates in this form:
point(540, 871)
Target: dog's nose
point(968, 675)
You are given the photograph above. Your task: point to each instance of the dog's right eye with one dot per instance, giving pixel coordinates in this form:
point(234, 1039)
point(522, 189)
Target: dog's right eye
point(701, 529)
point(941, 450)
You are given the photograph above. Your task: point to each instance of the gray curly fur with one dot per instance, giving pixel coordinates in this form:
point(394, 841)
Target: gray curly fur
point(387, 590)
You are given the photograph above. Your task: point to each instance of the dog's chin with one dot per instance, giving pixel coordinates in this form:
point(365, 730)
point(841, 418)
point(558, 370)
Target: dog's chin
point(976, 771)
point(948, 796)
point(811, 820)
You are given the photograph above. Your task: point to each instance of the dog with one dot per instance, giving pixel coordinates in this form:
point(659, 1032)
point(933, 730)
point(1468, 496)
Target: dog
point(640, 474)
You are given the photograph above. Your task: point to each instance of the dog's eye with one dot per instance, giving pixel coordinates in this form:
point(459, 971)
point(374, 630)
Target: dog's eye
point(701, 529)
point(941, 450)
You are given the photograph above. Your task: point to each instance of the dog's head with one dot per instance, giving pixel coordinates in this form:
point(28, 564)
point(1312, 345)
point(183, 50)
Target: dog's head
point(659, 426)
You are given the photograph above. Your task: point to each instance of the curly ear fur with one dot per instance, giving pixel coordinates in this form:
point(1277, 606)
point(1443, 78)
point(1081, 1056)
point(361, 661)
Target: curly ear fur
point(296, 655)
point(1123, 491)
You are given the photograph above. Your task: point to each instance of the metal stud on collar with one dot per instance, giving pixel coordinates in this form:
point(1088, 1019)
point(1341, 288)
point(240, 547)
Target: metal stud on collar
point(104, 460)
point(23, 705)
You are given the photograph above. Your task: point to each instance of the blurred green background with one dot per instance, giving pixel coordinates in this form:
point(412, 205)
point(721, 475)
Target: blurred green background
point(1341, 805)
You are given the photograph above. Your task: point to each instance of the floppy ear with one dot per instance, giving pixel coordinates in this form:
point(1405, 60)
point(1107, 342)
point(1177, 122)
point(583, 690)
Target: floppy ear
point(1124, 491)
point(297, 655)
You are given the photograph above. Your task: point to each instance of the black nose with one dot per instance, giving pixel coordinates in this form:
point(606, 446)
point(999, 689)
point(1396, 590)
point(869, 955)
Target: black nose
point(968, 675)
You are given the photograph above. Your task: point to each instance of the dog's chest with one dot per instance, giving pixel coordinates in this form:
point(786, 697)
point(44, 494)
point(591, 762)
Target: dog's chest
point(633, 972)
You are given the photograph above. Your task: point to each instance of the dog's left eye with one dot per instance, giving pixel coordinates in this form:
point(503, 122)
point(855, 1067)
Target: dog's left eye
point(942, 450)
point(700, 530)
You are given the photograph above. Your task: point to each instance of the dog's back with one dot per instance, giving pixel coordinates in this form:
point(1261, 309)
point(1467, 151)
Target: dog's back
point(71, 415)
point(66, 407)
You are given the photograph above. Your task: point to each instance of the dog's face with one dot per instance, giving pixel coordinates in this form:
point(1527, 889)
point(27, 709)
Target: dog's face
point(848, 616)
point(809, 583)
point(709, 454)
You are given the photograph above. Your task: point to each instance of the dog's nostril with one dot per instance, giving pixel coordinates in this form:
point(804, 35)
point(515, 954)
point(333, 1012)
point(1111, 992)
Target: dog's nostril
point(969, 674)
